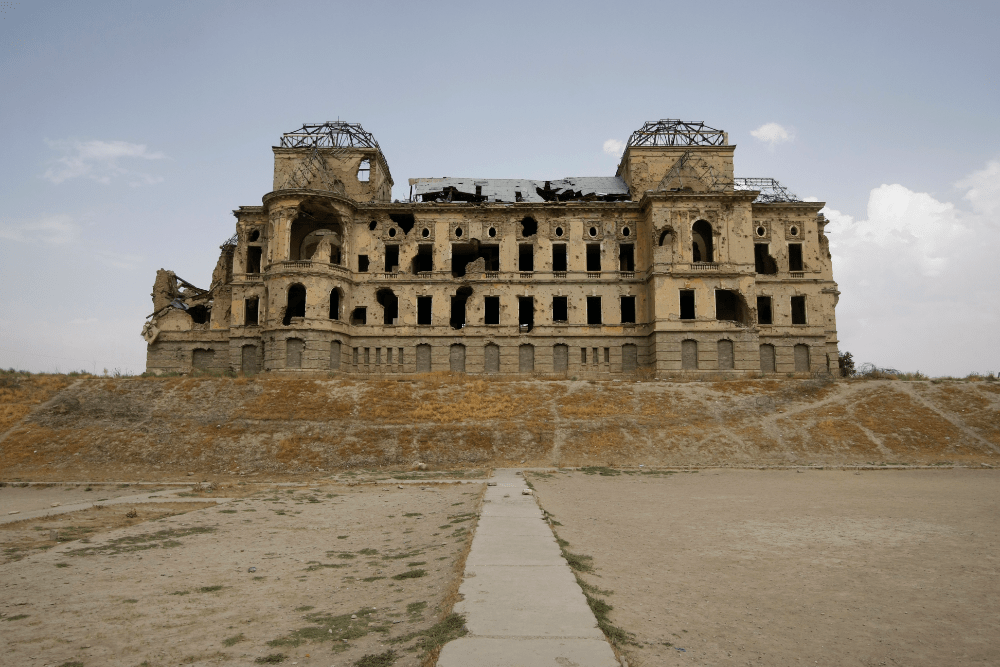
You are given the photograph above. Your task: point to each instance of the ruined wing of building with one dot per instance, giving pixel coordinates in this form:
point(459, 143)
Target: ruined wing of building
point(673, 266)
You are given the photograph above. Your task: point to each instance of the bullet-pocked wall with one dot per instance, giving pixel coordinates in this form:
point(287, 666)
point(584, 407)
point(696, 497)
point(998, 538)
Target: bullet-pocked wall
point(673, 266)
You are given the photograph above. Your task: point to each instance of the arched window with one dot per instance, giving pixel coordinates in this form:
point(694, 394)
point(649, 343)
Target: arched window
point(296, 306)
point(701, 242)
point(335, 303)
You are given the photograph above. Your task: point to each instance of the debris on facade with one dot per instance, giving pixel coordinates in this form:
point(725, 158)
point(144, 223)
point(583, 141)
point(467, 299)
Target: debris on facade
point(672, 266)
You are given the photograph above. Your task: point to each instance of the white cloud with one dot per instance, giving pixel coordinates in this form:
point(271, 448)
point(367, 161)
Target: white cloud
point(100, 161)
point(614, 147)
point(917, 278)
point(54, 229)
point(772, 134)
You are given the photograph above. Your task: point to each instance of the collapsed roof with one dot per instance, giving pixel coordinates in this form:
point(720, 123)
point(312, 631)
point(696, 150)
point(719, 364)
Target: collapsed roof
point(581, 188)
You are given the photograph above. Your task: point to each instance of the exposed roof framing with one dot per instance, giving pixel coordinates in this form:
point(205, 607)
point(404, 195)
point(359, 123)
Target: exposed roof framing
point(771, 191)
point(331, 134)
point(586, 188)
point(674, 132)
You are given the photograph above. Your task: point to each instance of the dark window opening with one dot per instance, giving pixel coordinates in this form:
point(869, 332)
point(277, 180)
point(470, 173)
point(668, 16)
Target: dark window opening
point(359, 315)
point(526, 313)
point(593, 310)
point(250, 308)
point(458, 303)
point(492, 307)
point(763, 262)
point(372, 225)
point(701, 241)
point(731, 306)
point(687, 304)
point(391, 258)
point(628, 310)
point(560, 309)
point(665, 237)
point(364, 171)
point(490, 254)
point(593, 256)
point(362, 263)
point(296, 306)
point(764, 315)
point(254, 236)
point(473, 259)
point(525, 257)
point(583, 356)
point(424, 310)
point(559, 257)
point(390, 305)
point(795, 257)
point(798, 310)
point(406, 221)
point(253, 259)
point(424, 259)
point(335, 304)
point(199, 314)
point(518, 196)
point(626, 257)
point(529, 227)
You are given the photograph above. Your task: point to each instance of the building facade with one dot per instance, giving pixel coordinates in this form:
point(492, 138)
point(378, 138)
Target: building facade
point(672, 267)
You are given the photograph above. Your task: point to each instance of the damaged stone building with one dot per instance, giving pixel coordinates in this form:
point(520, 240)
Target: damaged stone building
point(672, 266)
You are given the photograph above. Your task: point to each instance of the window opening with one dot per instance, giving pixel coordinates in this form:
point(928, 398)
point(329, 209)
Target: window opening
point(626, 231)
point(559, 231)
point(763, 262)
point(199, 314)
point(458, 303)
point(560, 309)
point(391, 258)
point(424, 259)
point(424, 310)
point(593, 257)
point(425, 233)
point(794, 231)
point(593, 231)
point(594, 356)
point(388, 355)
point(253, 259)
point(798, 310)
point(335, 304)
point(626, 257)
point(359, 315)
point(764, 315)
point(529, 227)
point(687, 304)
point(296, 304)
point(665, 237)
point(362, 263)
point(525, 313)
point(254, 236)
point(701, 242)
point(628, 310)
point(251, 313)
point(795, 257)
point(492, 308)
point(458, 232)
point(368, 352)
point(761, 231)
point(372, 225)
point(518, 196)
point(559, 257)
point(607, 354)
point(492, 232)
point(731, 306)
point(404, 221)
point(378, 356)
point(392, 232)
point(525, 257)
point(364, 171)
point(583, 356)
point(593, 310)
point(390, 305)
point(357, 352)
point(473, 258)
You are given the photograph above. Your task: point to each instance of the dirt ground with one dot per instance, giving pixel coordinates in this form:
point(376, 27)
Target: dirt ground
point(323, 575)
point(779, 567)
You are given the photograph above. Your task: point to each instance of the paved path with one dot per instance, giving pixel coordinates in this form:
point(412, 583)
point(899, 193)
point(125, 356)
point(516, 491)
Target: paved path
point(522, 605)
point(158, 497)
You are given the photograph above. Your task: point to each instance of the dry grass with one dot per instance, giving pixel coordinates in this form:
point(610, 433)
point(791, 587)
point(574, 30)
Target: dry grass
point(21, 393)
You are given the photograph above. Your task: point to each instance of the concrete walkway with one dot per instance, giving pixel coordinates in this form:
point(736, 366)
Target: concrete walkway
point(522, 605)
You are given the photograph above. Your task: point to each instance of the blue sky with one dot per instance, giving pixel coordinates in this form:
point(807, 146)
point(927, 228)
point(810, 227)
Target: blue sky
point(130, 130)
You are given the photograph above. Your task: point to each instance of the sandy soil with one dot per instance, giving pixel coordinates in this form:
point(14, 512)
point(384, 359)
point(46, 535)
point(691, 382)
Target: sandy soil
point(42, 496)
point(742, 567)
point(180, 590)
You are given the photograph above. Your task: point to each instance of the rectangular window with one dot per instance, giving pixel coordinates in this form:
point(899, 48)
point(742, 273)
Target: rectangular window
point(424, 259)
point(583, 356)
point(250, 308)
point(628, 310)
point(368, 351)
point(356, 350)
point(764, 315)
point(559, 257)
point(595, 357)
point(525, 257)
point(626, 257)
point(492, 305)
point(362, 263)
point(798, 310)
point(391, 258)
point(607, 355)
point(388, 355)
point(762, 260)
point(593, 310)
point(525, 313)
point(378, 356)
point(560, 309)
point(795, 257)
point(399, 359)
point(359, 316)
point(593, 257)
point(253, 259)
point(424, 310)
point(687, 304)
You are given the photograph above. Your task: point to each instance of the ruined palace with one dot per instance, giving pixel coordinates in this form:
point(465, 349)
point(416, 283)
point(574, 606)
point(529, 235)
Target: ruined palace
point(673, 266)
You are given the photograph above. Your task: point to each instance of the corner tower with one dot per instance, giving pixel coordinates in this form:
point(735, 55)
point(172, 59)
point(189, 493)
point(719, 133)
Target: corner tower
point(676, 155)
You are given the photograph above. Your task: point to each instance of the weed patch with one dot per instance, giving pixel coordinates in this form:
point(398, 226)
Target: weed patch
point(410, 574)
point(272, 659)
point(235, 639)
point(161, 539)
point(377, 660)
